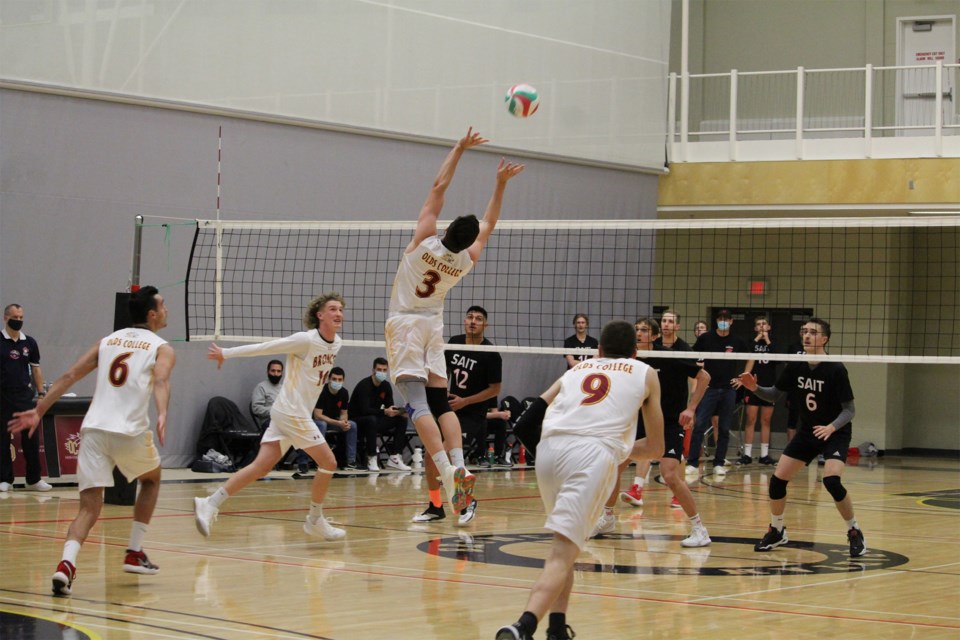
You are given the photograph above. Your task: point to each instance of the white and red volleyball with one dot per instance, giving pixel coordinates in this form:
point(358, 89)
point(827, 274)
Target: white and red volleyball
point(522, 100)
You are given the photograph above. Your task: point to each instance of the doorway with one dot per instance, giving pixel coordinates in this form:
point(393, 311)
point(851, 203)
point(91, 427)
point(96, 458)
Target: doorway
point(922, 41)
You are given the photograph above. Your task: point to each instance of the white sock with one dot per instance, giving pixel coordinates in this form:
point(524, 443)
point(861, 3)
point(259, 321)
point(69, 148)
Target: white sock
point(695, 520)
point(441, 460)
point(764, 450)
point(748, 450)
point(137, 533)
point(70, 550)
point(607, 510)
point(456, 457)
point(316, 511)
point(777, 522)
point(638, 481)
point(218, 497)
point(852, 524)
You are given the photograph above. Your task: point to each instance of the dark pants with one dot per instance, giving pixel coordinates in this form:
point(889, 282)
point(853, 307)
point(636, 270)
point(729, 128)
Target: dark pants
point(31, 446)
point(475, 429)
point(370, 427)
point(723, 404)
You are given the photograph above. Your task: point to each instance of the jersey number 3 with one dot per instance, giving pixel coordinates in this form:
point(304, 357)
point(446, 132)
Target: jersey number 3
point(595, 386)
point(430, 280)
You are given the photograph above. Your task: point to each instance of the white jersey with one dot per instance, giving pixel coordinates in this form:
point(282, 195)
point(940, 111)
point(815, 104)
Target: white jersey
point(121, 401)
point(309, 360)
point(601, 399)
point(424, 277)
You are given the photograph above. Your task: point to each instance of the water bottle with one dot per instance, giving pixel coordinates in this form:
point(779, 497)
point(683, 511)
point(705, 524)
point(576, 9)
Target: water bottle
point(491, 456)
point(417, 458)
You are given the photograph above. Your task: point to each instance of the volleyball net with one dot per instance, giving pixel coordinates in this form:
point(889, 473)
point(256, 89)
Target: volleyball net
point(889, 286)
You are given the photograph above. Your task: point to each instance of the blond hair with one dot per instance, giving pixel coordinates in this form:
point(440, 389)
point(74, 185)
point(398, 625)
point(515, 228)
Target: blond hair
point(310, 315)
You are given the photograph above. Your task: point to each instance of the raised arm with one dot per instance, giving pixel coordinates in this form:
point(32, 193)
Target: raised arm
point(29, 420)
point(166, 359)
point(427, 222)
point(505, 171)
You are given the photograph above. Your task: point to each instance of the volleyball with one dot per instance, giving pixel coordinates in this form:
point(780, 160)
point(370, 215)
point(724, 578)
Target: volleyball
point(522, 100)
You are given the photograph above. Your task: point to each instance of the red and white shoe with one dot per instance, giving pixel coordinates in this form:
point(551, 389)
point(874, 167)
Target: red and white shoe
point(633, 496)
point(138, 562)
point(63, 578)
point(674, 503)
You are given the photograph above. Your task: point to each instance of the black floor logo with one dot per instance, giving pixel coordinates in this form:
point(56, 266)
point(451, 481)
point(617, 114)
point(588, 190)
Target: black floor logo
point(817, 558)
point(946, 499)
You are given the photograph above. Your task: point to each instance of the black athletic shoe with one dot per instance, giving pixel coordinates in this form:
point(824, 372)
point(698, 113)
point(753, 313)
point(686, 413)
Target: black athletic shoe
point(767, 460)
point(745, 459)
point(858, 546)
point(772, 539)
point(431, 514)
point(512, 632)
point(563, 634)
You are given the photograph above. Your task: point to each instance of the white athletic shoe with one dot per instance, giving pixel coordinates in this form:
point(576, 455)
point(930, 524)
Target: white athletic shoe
point(39, 486)
point(323, 529)
point(468, 514)
point(372, 464)
point(396, 462)
point(606, 524)
point(5, 486)
point(691, 471)
point(698, 538)
point(204, 515)
point(719, 470)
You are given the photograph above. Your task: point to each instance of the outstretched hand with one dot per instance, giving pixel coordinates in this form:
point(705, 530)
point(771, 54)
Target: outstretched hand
point(507, 170)
point(747, 380)
point(24, 421)
point(472, 139)
point(215, 353)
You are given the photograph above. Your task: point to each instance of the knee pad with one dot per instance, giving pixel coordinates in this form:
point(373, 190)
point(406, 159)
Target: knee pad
point(836, 489)
point(778, 488)
point(415, 393)
point(437, 400)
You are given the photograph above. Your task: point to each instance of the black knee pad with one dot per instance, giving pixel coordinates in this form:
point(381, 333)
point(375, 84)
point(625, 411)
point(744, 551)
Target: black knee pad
point(777, 488)
point(835, 487)
point(437, 401)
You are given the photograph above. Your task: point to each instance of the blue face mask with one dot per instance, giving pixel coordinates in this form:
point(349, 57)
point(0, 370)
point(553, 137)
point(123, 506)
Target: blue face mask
point(723, 325)
point(380, 375)
point(336, 386)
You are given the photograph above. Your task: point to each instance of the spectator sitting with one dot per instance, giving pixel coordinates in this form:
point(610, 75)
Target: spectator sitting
point(373, 409)
point(331, 413)
point(265, 393)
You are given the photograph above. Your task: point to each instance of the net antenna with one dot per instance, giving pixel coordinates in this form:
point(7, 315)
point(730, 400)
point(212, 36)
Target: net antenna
point(887, 285)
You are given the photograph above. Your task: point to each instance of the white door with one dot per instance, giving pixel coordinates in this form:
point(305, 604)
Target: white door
point(923, 41)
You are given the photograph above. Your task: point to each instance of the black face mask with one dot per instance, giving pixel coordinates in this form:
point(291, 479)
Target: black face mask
point(275, 379)
point(16, 325)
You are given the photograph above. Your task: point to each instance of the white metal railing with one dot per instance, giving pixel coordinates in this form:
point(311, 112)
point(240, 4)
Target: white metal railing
point(863, 112)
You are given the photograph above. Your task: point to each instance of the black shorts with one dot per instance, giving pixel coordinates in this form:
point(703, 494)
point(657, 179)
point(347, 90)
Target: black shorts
point(754, 401)
point(641, 431)
point(673, 440)
point(806, 447)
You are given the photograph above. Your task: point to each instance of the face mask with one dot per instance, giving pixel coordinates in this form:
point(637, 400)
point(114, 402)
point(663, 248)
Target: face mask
point(380, 376)
point(275, 379)
point(336, 386)
point(16, 325)
point(723, 325)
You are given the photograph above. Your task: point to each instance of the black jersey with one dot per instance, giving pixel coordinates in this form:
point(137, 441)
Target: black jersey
point(818, 391)
point(678, 345)
point(573, 343)
point(673, 374)
point(764, 369)
point(471, 372)
point(331, 404)
point(721, 371)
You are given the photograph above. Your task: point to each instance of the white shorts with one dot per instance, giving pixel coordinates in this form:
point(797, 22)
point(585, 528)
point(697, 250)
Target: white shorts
point(415, 346)
point(575, 476)
point(299, 433)
point(101, 451)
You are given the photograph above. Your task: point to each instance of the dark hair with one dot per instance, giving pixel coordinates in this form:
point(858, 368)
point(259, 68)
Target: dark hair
point(824, 326)
point(650, 322)
point(461, 233)
point(760, 316)
point(671, 312)
point(141, 303)
point(379, 360)
point(273, 362)
point(724, 313)
point(618, 339)
point(475, 308)
point(581, 315)
point(338, 371)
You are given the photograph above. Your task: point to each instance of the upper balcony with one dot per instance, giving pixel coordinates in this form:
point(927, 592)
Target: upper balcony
point(815, 114)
